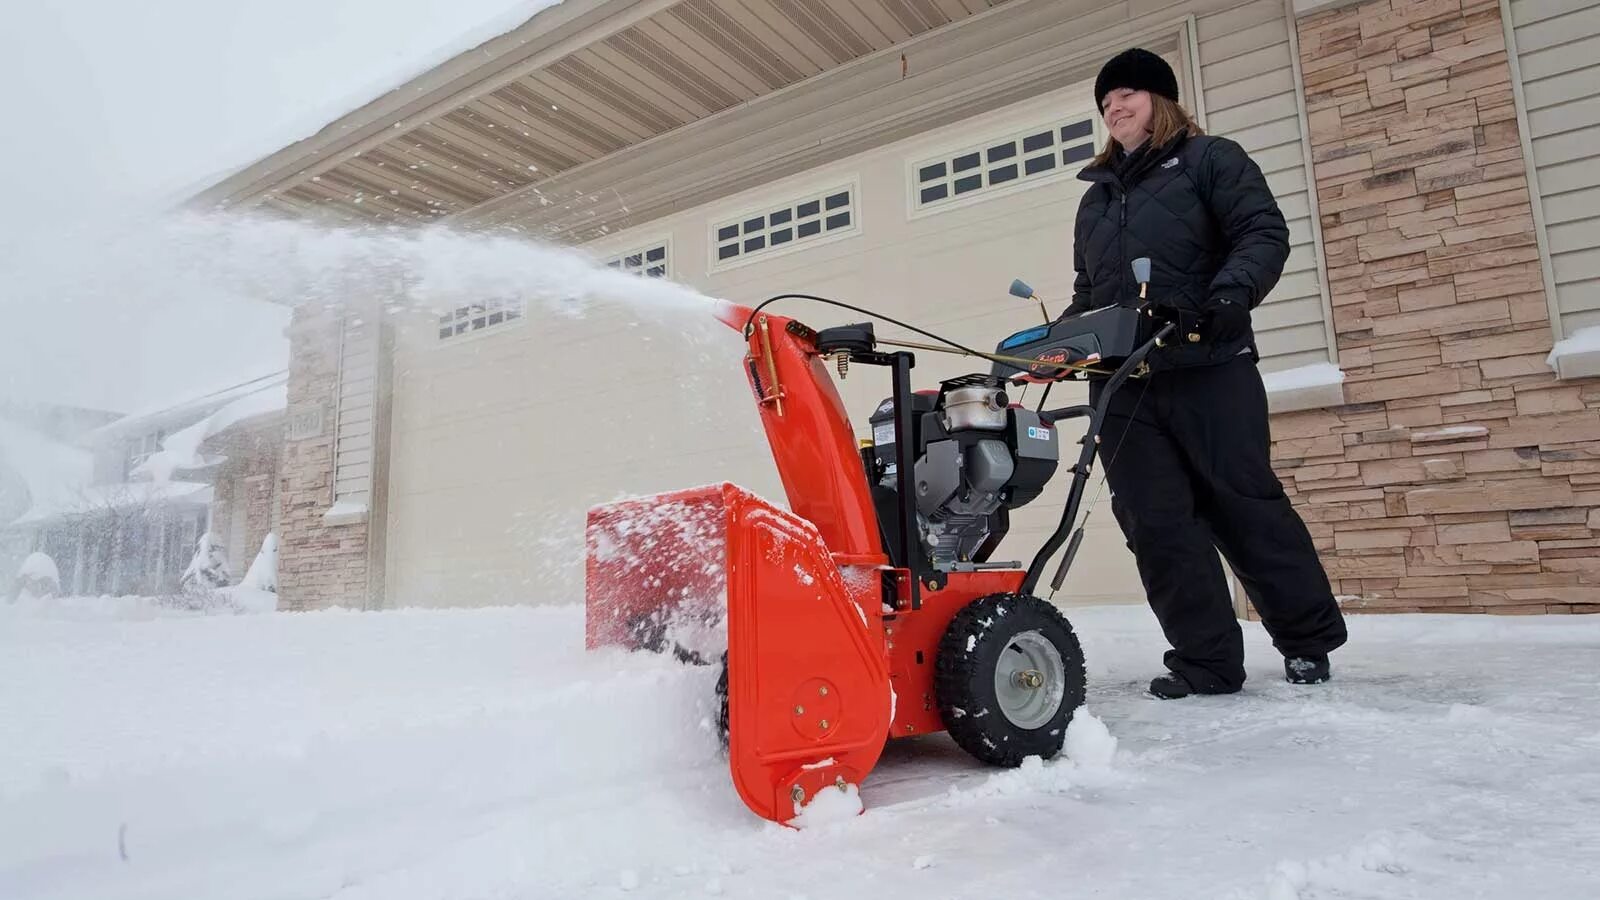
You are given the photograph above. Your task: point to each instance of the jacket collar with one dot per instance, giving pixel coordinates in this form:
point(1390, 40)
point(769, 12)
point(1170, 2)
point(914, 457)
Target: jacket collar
point(1107, 174)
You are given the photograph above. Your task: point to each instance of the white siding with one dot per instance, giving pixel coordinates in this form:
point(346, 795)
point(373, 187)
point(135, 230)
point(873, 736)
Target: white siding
point(356, 409)
point(1558, 57)
point(1248, 81)
point(503, 480)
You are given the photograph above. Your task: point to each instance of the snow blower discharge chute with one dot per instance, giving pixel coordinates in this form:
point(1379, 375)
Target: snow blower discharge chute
point(872, 608)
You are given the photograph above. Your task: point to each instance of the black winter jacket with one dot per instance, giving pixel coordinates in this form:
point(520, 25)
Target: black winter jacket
point(1200, 208)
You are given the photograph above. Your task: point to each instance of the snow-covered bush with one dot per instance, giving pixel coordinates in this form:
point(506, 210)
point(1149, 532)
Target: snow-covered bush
point(208, 568)
point(38, 578)
point(263, 572)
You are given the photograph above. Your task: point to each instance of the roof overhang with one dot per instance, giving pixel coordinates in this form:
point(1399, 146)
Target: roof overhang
point(576, 85)
point(599, 115)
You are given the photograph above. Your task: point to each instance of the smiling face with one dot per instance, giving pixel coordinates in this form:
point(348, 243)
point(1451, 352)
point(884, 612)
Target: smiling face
point(1127, 114)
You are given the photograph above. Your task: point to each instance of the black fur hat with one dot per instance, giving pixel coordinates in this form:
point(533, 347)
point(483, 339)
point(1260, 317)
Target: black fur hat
point(1138, 69)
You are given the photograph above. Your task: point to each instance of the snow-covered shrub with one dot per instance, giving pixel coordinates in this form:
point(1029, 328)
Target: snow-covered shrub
point(38, 578)
point(209, 567)
point(263, 572)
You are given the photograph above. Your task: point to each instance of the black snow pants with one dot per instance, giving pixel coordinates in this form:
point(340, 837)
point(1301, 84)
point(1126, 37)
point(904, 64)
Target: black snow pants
point(1187, 454)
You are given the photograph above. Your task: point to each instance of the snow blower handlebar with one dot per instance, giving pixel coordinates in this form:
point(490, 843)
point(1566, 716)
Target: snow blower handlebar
point(1080, 472)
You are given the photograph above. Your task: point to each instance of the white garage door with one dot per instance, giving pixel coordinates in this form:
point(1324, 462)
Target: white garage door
point(503, 435)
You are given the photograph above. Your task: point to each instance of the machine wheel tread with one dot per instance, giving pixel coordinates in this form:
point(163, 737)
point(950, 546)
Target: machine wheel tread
point(964, 676)
point(722, 703)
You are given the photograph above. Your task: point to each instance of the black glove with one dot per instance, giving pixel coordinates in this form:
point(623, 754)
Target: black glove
point(1189, 322)
point(1227, 321)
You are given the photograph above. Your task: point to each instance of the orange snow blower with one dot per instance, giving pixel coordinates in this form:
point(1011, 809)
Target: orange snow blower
point(871, 608)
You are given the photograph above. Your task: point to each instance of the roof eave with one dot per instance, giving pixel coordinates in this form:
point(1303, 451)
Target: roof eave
point(553, 30)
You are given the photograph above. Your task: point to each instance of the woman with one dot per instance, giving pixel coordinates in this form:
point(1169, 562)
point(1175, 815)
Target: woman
point(1188, 450)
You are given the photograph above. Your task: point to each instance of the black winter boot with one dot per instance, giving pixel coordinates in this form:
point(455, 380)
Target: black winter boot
point(1170, 686)
point(1307, 669)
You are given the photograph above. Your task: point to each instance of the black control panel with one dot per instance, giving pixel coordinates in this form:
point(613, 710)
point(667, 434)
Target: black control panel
point(1103, 337)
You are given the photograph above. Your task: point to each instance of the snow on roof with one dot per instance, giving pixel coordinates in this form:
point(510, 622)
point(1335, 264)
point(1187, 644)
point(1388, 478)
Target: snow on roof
point(190, 405)
point(182, 449)
point(51, 471)
point(104, 497)
point(375, 81)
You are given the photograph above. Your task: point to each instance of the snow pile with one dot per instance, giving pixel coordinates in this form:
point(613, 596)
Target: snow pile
point(39, 566)
point(1584, 340)
point(829, 806)
point(37, 578)
point(1301, 377)
point(1089, 742)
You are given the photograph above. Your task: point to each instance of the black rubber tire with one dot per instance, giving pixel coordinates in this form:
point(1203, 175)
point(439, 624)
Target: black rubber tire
point(722, 702)
point(964, 679)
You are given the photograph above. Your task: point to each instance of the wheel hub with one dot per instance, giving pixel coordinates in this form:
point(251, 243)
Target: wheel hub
point(1029, 680)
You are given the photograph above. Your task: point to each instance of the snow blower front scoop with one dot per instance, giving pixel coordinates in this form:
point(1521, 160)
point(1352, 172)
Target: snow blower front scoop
point(870, 609)
point(802, 655)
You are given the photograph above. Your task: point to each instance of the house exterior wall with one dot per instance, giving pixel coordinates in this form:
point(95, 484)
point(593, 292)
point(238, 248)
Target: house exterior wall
point(1462, 475)
point(1452, 471)
point(245, 491)
point(488, 488)
point(320, 564)
point(497, 452)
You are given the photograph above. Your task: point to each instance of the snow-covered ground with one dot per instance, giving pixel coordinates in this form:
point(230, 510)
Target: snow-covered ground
point(483, 754)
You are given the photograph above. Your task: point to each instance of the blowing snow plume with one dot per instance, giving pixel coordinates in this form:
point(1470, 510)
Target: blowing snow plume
point(229, 256)
point(603, 370)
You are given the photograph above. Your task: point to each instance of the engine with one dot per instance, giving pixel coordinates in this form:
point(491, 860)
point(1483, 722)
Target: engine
point(978, 456)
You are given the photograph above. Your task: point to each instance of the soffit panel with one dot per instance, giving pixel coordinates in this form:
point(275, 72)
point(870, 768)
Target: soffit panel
point(683, 64)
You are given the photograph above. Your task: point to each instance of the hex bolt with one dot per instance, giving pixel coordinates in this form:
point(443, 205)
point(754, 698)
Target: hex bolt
point(824, 724)
point(797, 794)
point(839, 783)
point(799, 710)
point(823, 690)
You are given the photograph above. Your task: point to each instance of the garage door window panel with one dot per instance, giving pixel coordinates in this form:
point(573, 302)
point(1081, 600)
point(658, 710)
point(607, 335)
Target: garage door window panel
point(1052, 150)
point(785, 226)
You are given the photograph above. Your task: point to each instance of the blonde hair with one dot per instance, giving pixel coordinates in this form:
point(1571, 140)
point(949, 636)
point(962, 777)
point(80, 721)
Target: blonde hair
point(1167, 119)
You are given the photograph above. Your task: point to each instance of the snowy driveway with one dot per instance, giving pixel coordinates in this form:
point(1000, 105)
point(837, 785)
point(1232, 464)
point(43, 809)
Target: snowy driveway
point(481, 754)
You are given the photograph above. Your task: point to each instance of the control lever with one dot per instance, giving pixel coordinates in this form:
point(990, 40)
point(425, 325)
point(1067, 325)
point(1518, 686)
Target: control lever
point(1189, 323)
point(1020, 288)
point(1141, 274)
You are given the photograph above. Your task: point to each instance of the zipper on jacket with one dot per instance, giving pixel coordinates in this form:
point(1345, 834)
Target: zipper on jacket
point(1122, 246)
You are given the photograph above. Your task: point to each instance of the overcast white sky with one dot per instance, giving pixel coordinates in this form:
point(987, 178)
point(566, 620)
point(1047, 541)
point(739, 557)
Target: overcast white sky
point(112, 110)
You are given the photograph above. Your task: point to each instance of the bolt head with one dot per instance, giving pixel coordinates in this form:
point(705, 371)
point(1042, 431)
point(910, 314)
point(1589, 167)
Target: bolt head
point(824, 724)
point(799, 710)
point(797, 794)
point(823, 690)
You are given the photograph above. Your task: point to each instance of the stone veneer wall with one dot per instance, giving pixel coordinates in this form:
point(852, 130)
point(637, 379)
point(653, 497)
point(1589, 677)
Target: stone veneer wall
point(1462, 476)
point(319, 565)
point(249, 477)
